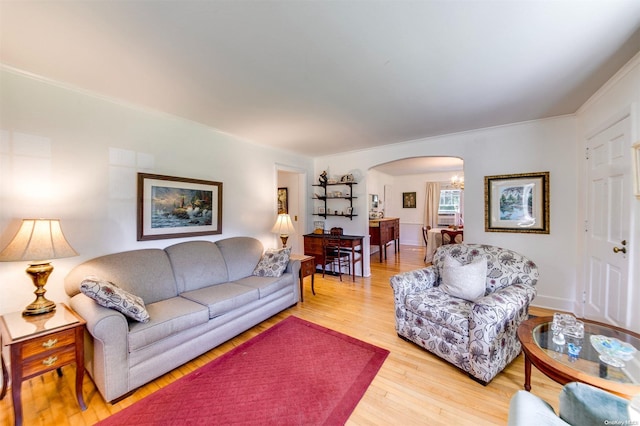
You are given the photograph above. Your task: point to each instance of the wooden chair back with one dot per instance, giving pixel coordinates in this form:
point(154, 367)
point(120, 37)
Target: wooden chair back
point(449, 236)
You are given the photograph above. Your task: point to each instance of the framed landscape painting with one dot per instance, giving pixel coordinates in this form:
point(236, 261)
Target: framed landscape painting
point(174, 207)
point(517, 203)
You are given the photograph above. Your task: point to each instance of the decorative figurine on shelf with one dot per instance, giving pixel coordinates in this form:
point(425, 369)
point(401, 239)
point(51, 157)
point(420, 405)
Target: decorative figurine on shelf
point(323, 178)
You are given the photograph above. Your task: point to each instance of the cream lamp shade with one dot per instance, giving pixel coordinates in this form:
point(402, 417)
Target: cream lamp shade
point(283, 227)
point(37, 242)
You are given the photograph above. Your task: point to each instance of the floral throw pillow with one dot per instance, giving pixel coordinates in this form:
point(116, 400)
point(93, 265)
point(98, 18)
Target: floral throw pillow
point(273, 263)
point(109, 295)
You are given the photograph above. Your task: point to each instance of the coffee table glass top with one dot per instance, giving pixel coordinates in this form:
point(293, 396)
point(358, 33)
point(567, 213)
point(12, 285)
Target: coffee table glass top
point(588, 360)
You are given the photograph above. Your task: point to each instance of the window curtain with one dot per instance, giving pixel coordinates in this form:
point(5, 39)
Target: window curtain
point(432, 204)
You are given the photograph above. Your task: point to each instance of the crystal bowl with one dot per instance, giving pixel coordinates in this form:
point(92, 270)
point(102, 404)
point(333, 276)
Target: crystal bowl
point(613, 351)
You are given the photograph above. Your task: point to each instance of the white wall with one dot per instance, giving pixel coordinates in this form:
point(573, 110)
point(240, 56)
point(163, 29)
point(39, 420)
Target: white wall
point(74, 156)
point(545, 145)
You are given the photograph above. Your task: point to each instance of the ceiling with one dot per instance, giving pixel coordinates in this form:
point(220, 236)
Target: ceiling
point(324, 77)
point(420, 165)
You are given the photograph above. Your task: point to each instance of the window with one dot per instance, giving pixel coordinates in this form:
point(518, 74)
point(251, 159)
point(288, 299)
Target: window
point(449, 201)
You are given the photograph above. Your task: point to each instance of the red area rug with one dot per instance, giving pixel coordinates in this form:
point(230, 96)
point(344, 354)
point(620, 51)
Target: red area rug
point(295, 373)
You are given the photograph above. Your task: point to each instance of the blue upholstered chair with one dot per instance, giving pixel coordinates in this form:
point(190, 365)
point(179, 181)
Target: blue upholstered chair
point(579, 405)
point(479, 335)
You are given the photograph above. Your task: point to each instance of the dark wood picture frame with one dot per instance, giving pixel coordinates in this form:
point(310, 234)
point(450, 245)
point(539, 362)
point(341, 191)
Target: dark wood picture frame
point(283, 200)
point(176, 207)
point(408, 200)
point(517, 203)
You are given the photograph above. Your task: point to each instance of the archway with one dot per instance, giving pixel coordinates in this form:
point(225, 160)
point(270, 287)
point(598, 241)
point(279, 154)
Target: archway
point(395, 182)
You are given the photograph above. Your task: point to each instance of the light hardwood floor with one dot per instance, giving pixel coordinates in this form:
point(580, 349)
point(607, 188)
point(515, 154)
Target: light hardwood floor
point(413, 387)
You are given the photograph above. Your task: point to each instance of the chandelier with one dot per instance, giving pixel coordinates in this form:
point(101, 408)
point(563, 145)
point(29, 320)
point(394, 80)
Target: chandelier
point(457, 182)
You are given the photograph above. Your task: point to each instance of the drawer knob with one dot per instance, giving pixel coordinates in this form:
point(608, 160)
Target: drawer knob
point(50, 361)
point(49, 343)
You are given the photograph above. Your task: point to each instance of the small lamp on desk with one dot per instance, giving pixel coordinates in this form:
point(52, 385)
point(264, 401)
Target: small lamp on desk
point(283, 227)
point(37, 241)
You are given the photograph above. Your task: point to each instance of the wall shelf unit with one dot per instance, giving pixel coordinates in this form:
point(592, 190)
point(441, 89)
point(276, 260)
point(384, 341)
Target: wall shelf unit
point(328, 195)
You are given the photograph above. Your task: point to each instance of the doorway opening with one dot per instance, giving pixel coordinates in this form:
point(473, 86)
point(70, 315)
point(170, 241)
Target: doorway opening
point(400, 188)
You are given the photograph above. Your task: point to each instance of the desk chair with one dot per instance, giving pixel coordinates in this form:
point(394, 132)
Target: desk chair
point(335, 255)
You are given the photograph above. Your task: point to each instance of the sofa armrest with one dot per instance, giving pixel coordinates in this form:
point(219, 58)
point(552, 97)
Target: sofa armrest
point(493, 340)
point(294, 268)
point(107, 360)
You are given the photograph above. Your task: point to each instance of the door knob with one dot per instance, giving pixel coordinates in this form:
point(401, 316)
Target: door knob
point(621, 250)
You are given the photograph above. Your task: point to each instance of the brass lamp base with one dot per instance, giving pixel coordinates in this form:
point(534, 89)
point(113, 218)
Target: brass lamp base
point(284, 239)
point(39, 274)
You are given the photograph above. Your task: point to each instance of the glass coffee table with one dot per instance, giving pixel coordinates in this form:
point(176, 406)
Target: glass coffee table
point(551, 359)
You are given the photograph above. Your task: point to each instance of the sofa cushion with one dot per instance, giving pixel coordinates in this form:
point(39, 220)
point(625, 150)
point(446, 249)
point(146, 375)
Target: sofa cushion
point(267, 285)
point(222, 298)
point(146, 273)
point(464, 281)
point(273, 263)
point(241, 254)
point(109, 295)
point(197, 264)
point(440, 308)
point(168, 317)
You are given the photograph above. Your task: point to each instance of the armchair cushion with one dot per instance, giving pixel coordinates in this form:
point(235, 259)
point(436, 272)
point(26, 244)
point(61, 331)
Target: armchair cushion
point(431, 303)
point(464, 281)
point(582, 404)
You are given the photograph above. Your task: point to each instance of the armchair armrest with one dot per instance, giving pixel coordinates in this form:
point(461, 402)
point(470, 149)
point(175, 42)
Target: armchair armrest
point(503, 304)
point(493, 341)
point(413, 281)
point(408, 283)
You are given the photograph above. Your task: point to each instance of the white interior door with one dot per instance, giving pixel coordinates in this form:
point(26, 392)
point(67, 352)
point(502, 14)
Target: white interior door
point(609, 224)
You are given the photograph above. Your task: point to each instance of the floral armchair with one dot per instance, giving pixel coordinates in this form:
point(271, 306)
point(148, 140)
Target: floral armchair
point(477, 336)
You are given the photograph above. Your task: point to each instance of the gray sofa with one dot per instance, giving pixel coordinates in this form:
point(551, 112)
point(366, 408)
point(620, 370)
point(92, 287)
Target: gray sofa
point(198, 294)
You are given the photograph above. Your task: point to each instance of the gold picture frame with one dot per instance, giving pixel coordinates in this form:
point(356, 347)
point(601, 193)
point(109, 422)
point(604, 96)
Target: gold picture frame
point(517, 203)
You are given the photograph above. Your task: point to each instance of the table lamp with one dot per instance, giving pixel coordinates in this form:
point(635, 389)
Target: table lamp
point(284, 227)
point(37, 242)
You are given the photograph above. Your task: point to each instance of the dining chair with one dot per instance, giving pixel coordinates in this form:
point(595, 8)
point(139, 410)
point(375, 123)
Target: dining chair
point(450, 236)
point(425, 231)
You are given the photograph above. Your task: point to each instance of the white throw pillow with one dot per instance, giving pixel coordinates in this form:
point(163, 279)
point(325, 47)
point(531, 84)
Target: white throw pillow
point(464, 281)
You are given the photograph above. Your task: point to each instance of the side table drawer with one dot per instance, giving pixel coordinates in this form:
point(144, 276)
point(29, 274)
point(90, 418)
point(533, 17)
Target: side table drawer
point(49, 361)
point(308, 267)
point(48, 342)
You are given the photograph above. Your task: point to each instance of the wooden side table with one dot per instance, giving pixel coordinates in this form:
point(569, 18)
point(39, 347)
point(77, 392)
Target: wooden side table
point(42, 343)
point(307, 268)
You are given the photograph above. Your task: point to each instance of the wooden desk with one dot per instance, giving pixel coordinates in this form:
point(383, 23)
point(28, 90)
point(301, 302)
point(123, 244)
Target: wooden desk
point(307, 268)
point(313, 247)
point(384, 231)
point(42, 343)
